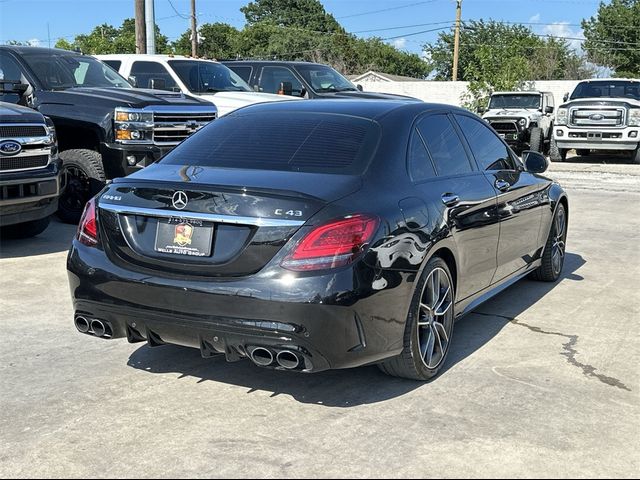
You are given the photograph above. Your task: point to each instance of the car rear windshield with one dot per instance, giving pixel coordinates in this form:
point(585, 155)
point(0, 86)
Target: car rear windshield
point(610, 88)
point(286, 141)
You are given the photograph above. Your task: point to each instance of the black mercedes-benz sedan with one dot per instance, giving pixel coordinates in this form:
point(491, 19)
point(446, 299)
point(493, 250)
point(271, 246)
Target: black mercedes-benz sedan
point(314, 235)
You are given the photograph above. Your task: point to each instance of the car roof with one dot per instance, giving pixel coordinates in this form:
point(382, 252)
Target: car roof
point(273, 62)
point(43, 50)
point(143, 56)
point(370, 109)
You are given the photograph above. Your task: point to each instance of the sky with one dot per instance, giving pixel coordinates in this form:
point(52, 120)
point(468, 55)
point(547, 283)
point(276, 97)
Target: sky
point(401, 22)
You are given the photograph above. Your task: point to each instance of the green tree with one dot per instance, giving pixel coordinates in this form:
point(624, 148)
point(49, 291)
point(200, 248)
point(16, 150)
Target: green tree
point(613, 37)
point(496, 56)
point(304, 14)
point(105, 39)
point(64, 44)
point(217, 40)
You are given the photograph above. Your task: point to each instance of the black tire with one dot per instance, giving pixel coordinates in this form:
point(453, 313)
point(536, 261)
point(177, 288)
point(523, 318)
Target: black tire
point(411, 363)
point(583, 153)
point(635, 157)
point(536, 140)
point(85, 178)
point(26, 229)
point(556, 154)
point(554, 250)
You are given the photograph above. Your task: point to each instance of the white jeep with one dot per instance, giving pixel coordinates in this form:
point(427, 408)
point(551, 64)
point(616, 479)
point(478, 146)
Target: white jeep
point(522, 119)
point(206, 79)
point(601, 114)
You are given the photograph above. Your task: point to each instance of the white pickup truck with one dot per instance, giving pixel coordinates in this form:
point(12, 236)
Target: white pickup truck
point(601, 114)
point(207, 79)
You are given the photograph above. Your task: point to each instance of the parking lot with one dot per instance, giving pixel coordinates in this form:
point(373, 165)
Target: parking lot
point(542, 381)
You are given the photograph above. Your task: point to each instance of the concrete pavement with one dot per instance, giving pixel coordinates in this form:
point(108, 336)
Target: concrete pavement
point(543, 380)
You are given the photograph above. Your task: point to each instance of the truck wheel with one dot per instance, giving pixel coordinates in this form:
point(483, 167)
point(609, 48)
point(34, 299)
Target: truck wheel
point(557, 154)
point(635, 158)
point(26, 229)
point(85, 178)
point(536, 140)
point(583, 153)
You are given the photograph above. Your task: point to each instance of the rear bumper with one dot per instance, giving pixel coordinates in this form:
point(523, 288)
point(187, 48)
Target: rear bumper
point(31, 195)
point(593, 139)
point(332, 321)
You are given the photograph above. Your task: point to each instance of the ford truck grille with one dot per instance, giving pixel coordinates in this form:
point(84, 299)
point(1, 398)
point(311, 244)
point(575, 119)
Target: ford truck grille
point(23, 163)
point(597, 117)
point(171, 128)
point(13, 131)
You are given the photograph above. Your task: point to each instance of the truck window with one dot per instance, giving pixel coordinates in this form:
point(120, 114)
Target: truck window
point(61, 71)
point(272, 77)
point(115, 64)
point(202, 76)
point(609, 88)
point(153, 75)
point(9, 71)
point(244, 72)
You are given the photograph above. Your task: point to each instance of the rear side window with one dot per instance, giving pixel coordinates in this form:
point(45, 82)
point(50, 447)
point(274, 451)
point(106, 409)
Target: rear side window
point(487, 148)
point(444, 145)
point(243, 72)
point(152, 75)
point(115, 64)
point(286, 141)
point(420, 165)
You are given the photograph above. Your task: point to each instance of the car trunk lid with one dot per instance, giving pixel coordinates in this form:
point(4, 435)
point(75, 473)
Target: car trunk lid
point(199, 221)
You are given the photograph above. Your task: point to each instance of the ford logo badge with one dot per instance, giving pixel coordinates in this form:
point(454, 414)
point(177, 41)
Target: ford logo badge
point(10, 147)
point(596, 116)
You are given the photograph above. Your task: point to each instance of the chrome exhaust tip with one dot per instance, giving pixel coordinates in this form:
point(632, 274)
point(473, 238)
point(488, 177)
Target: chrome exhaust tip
point(98, 328)
point(261, 356)
point(288, 360)
point(82, 324)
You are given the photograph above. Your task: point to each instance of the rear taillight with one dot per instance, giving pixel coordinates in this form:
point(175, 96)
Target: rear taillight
point(333, 244)
point(88, 227)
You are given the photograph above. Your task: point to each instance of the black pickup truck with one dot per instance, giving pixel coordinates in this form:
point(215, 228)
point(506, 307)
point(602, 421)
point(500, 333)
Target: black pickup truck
point(30, 178)
point(302, 79)
point(105, 127)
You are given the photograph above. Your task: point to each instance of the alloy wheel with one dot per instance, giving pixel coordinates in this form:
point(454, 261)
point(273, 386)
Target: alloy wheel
point(558, 245)
point(78, 190)
point(435, 319)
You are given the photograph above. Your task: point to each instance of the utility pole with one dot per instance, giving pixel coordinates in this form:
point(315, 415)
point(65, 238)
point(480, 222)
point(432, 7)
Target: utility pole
point(150, 20)
point(141, 34)
point(194, 30)
point(456, 43)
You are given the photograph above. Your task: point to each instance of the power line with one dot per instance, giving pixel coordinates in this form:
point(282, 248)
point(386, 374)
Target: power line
point(181, 15)
point(386, 9)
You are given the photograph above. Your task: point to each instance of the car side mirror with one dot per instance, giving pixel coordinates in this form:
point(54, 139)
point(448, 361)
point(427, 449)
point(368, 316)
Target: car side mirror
point(157, 84)
point(285, 88)
point(566, 97)
point(548, 109)
point(481, 110)
point(534, 162)
point(132, 81)
point(359, 87)
point(13, 86)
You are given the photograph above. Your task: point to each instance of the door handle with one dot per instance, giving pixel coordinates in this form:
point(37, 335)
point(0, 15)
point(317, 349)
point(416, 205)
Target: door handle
point(450, 199)
point(502, 185)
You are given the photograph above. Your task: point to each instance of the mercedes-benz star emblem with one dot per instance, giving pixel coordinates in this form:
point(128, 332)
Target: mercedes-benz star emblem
point(180, 200)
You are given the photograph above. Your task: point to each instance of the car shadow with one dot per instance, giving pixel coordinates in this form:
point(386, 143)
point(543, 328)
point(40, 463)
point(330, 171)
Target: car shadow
point(56, 238)
point(609, 158)
point(358, 386)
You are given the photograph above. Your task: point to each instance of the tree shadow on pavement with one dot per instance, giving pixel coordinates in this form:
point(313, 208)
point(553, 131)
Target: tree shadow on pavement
point(358, 386)
point(56, 238)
